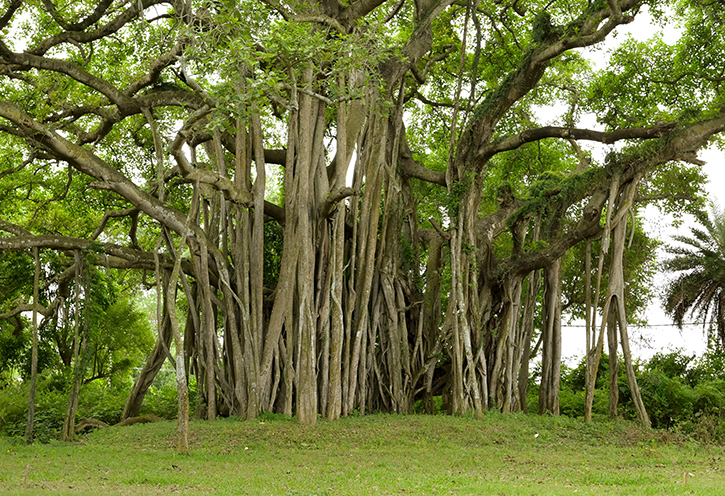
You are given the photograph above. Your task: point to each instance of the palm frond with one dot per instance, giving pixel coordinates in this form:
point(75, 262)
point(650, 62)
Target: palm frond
point(699, 263)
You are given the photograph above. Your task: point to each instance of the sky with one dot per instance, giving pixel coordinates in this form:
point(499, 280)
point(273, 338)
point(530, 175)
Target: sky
point(660, 335)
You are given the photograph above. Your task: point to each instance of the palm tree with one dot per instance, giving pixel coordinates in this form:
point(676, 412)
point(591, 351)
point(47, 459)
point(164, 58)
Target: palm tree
point(699, 287)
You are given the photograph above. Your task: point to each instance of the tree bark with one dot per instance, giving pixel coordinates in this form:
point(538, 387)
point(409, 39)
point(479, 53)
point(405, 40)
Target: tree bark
point(68, 431)
point(154, 362)
point(527, 331)
point(613, 362)
point(551, 341)
point(29, 427)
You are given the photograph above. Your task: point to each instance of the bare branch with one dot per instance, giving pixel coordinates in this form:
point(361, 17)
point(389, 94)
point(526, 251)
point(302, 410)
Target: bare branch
point(275, 212)
point(321, 19)
point(9, 13)
point(107, 254)
point(21, 307)
point(113, 214)
point(396, 8)
point(584, 160)
point(415, 169)
point(88, 36)
point(328, 207)
point(310, 93)
point(281, 10)
point(438, 229)
point(359, 9)
point(13, 228)
point(432, 103)
point(691, 158)
point(614, 9)
point(101, 9)
point(530, 135)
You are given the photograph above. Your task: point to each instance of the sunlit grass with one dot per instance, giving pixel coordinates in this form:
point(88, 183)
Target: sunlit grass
point(379, 454)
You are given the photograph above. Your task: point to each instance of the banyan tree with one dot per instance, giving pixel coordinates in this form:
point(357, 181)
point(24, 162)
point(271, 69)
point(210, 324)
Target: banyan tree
point(351, 206)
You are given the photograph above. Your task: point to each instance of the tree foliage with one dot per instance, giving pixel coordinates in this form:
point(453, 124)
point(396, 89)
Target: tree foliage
point(164, 136)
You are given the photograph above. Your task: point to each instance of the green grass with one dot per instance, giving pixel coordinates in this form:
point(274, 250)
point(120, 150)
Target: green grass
point(378, 454)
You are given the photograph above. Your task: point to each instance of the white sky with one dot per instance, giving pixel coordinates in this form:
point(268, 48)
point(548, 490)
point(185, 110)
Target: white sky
point(661, 335)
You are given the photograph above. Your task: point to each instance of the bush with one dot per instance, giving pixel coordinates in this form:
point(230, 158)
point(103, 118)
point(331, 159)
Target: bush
point(571, 403)
point(101, 403)
point(96, 400)
point(163, 401)
point(680, 392)
point(668, 400)
point(50, 408)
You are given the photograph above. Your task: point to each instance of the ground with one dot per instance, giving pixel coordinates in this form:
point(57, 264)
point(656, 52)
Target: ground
point(379, 454)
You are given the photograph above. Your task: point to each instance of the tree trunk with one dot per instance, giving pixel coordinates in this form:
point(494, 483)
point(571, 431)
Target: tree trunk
point(616, 278)
point(372, 159)
point(551, 341)
point(613, 362)
point(527, 331)
point(29, 427)
point(153, 364)
point(68, 431)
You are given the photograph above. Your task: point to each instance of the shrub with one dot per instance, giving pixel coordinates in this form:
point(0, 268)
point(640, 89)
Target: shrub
point(668, 400)
point(50, 408)
point(682, 393)
point(96, 400)
point(163, 401)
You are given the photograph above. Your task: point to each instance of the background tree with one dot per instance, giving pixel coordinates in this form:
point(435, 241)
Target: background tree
point(699, 265)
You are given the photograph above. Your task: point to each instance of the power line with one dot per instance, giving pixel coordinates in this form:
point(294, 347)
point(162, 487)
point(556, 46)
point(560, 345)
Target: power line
point(647, 325)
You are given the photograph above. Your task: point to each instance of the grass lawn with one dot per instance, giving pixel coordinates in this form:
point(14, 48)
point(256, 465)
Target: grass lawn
point(377, 454)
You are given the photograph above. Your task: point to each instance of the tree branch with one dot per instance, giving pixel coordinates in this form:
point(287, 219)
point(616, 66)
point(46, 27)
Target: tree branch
point(25, 307)
point(321, 19)
point(86, 37)
point(275, 212)
point(212, 178)
point(359, 9)
point(412, 168)
point(327, 208)
point(101, 9)
point(88, 163)
point(115, 213)
point(530, 135)
point(107, 254)
point(418, 95)
point(614, 9)
point(637, 164)
point(157, 66)
point(438, 229)
point(13, 228)
point(69, 69)
point(528, 74)
point(5, 19)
